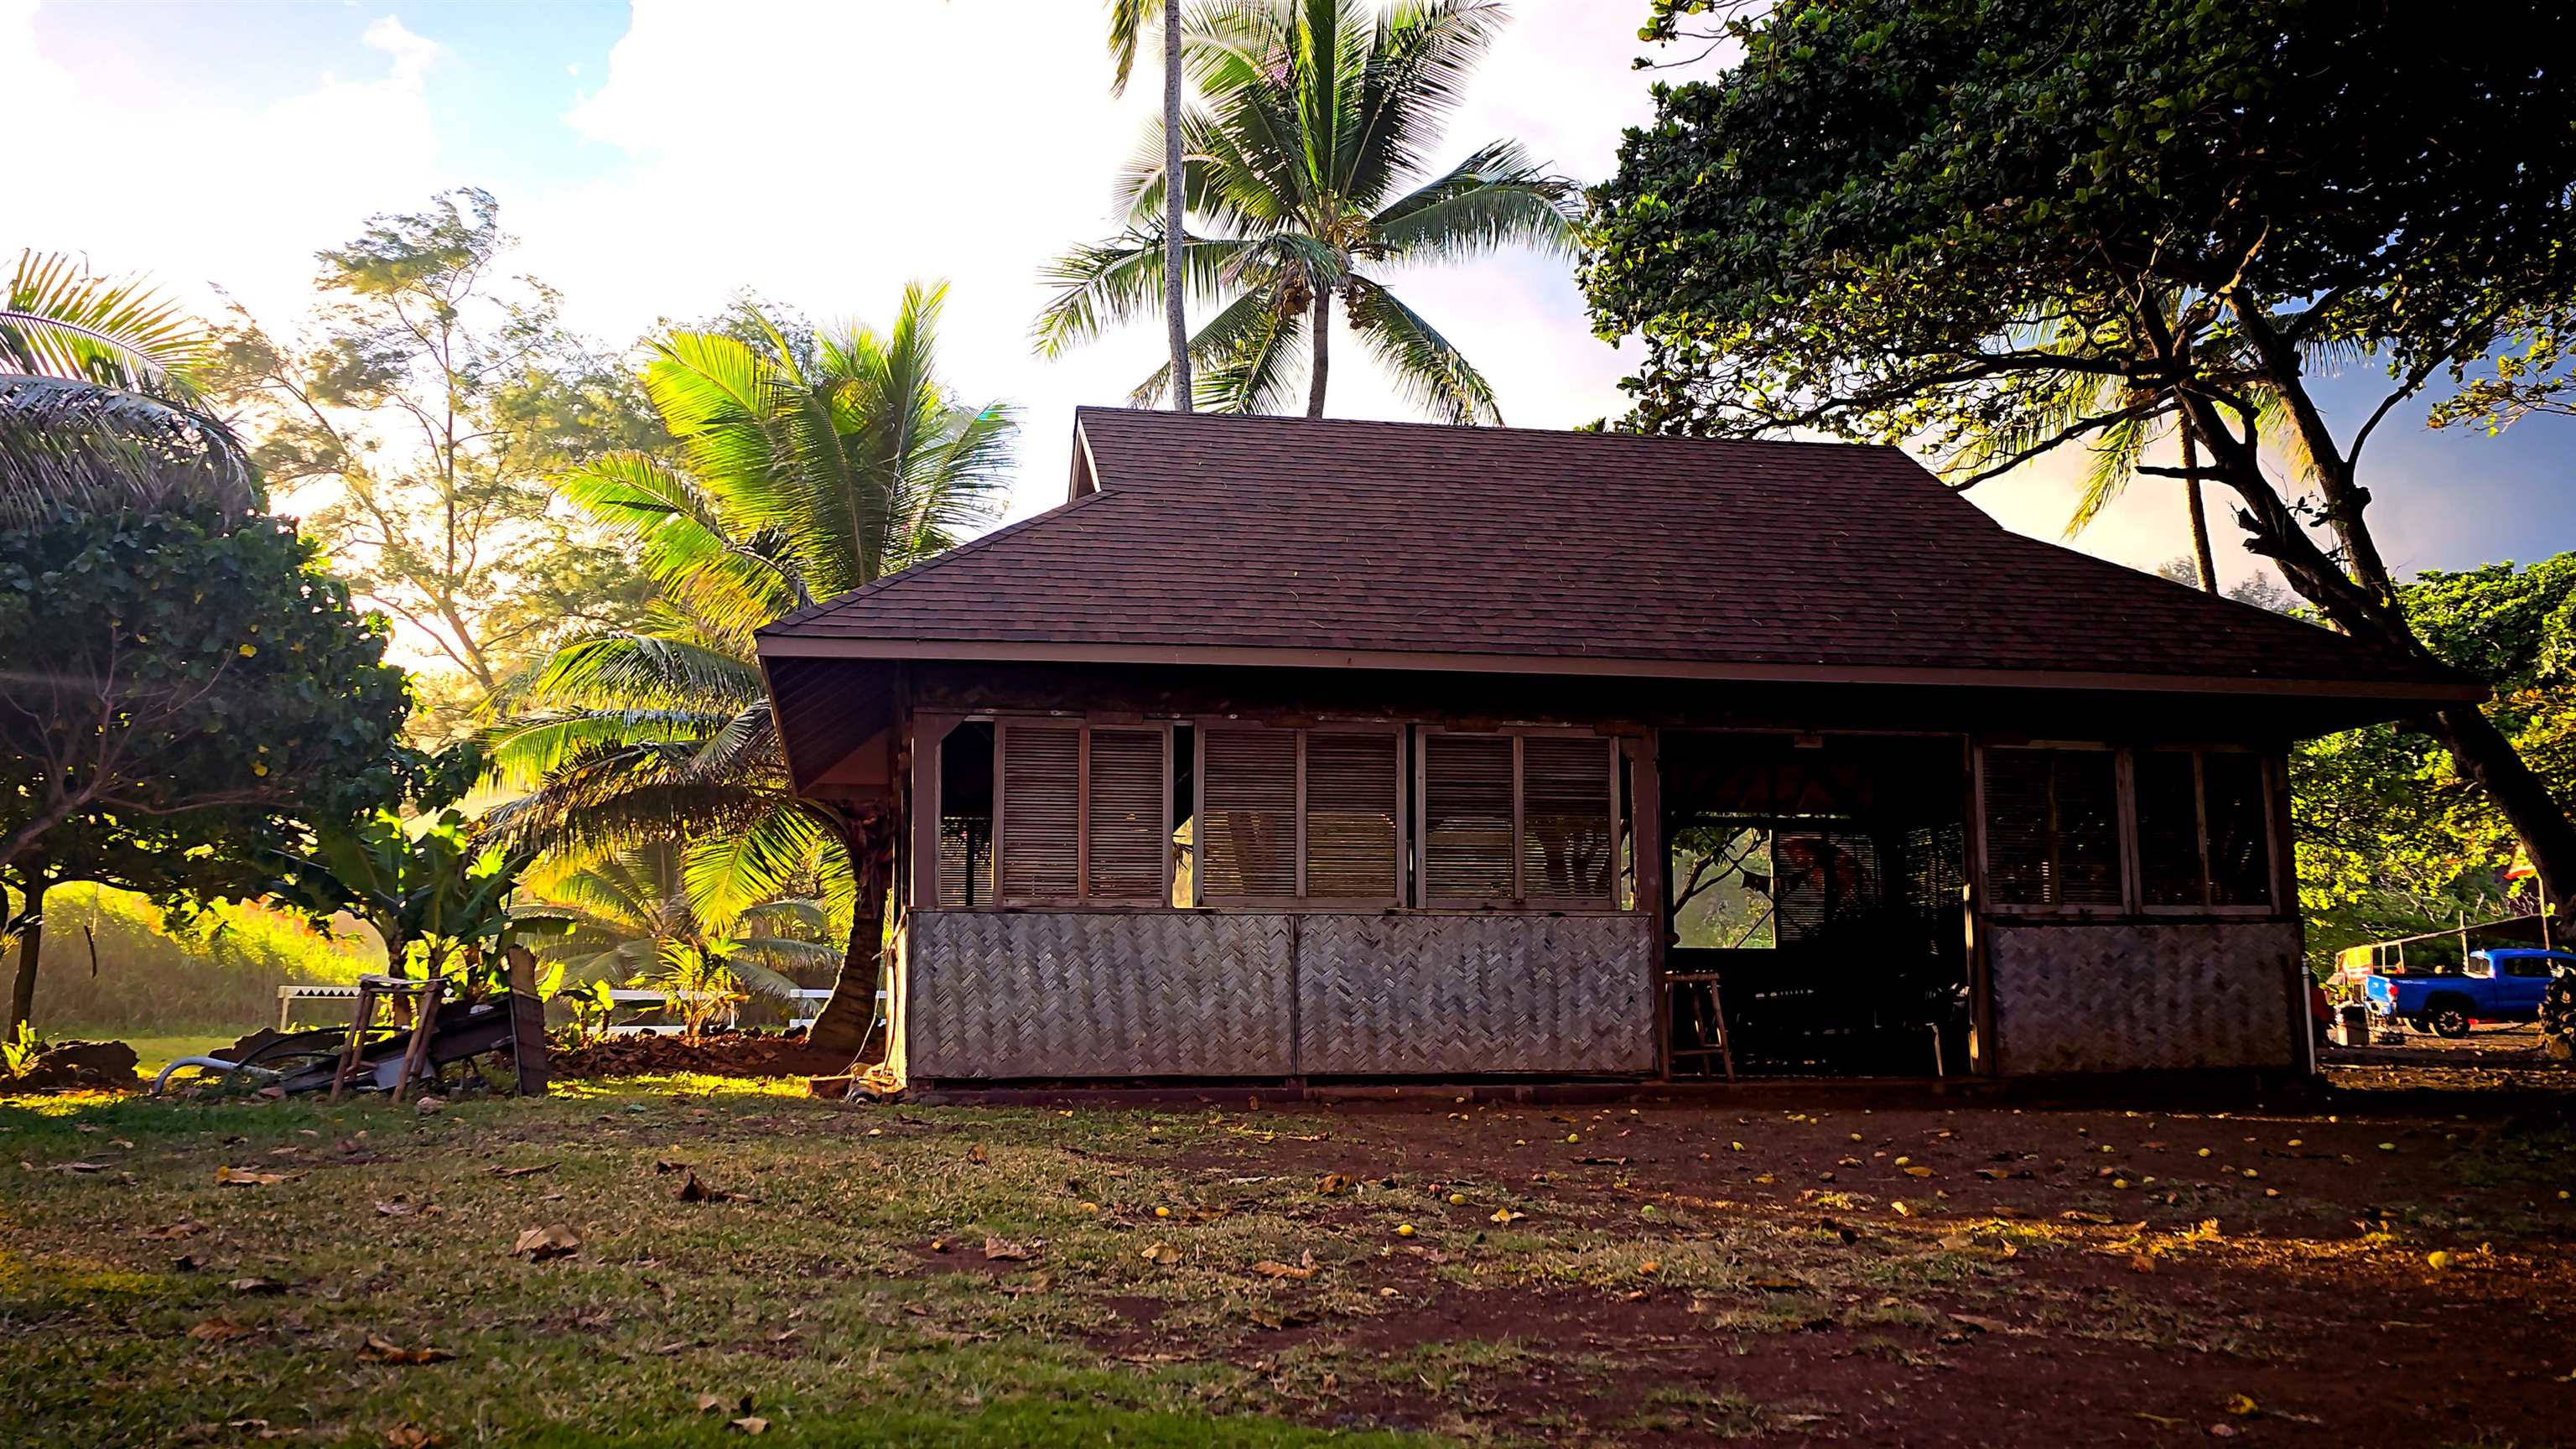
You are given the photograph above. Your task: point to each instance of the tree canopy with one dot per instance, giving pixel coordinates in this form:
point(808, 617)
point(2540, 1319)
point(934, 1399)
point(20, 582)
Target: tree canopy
point(1993, 229)
point(424, 407)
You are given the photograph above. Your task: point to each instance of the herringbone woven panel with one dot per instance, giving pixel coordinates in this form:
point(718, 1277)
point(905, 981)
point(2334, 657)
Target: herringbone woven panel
point(1468, 994)
point(2139, 996)
point(1099, 994)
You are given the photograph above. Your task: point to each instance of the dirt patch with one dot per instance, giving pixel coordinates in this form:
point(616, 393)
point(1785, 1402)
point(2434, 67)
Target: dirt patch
point(77, 1066)
point(717, 1054)
point(1977, 1276)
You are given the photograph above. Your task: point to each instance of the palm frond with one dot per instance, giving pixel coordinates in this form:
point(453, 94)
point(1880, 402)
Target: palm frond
point(59, 319)
point(1105, 284)
point(67, 443)
point(1497, 197)
point(1428, 367)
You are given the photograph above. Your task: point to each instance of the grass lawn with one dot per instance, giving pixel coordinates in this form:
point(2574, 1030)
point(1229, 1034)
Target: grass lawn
point(909, 1276)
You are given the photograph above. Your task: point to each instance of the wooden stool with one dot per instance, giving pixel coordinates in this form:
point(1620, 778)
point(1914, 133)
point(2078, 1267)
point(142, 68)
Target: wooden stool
point(425, 996)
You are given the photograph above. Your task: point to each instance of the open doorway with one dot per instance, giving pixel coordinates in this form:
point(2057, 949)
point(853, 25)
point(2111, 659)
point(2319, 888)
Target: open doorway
point(1815, 905)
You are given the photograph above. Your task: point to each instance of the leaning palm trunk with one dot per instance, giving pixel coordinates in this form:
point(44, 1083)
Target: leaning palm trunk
point(2201, 557)
point(848, 1021)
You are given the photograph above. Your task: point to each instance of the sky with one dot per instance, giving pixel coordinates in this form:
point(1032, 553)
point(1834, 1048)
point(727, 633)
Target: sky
point(656, 157)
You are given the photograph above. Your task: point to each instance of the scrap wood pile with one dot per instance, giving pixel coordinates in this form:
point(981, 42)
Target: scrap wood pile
point(719, 1053)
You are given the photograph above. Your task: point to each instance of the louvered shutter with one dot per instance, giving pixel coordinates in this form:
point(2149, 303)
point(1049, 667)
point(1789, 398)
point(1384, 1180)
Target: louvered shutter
point(1350, 817)
point(1129, 840)
point(1467, 835)
point(1247, 815)
point(1041, 811)
point(1567, 841)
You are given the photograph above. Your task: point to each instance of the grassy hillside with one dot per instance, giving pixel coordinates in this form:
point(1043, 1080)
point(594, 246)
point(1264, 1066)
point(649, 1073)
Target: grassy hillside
point(151, 978)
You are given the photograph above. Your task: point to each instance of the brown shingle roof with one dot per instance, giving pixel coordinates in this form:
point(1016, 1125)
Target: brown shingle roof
point(1244, 539)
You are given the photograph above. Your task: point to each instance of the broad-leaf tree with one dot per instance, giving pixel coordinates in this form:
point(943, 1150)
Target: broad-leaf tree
point(2392, 841)
point(796, 478)
point(1889, 217)
point(421, 410)
point(180, 692)
point(1310, 170)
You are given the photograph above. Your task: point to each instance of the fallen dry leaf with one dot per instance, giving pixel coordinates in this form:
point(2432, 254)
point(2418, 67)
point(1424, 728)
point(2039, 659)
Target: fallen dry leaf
point(750, 1424)
point(380, 1349)
point(2241, 1405)
point(413, 1436)
point(1160, 1253)
point(247, 1286)
point(396, 1209)
point(1979, 1323)
point(1333, 1184)
point(184, 1228)
point(1003, 1250)
point(522, 1171)
point(2078, 1215)
point(976, 1154)
point(551, 1241)
point(1271, 1268)
point(219, 1330)
point(246, 1177)
point(1506, 1215)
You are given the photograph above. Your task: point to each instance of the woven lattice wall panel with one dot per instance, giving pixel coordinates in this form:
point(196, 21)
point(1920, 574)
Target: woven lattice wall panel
point(1075, 994)
point(2144, 996)
point(1466, 994)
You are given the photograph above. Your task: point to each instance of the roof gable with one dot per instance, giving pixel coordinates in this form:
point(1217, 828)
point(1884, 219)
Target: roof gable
point(1409, 545)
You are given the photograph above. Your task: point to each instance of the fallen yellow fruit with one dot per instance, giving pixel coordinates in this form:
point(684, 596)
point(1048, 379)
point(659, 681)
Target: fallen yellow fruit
point(1404, 1230)
point(1457, 1199)
point(2437, 1259)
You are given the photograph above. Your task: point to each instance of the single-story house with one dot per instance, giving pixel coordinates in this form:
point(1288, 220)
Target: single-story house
point(1302, 750)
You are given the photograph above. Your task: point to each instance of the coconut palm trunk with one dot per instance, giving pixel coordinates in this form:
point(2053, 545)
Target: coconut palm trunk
point(1175, 318)
point(848, 1021)
point(1323, 364)
point(2200, 554)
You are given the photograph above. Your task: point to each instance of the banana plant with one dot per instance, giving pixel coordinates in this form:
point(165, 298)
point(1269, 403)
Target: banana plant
point(438, 895)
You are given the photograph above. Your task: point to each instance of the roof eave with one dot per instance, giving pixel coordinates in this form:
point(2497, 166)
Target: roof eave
point(2430, 693)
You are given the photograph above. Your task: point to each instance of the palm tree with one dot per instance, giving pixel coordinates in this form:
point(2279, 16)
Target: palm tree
point(1307, 163)
point(630, 917)
point(1126, 19)
point(801, 472)
point(2138, 418)
point(98, 398)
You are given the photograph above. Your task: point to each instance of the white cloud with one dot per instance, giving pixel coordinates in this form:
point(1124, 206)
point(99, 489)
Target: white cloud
point(242, 197)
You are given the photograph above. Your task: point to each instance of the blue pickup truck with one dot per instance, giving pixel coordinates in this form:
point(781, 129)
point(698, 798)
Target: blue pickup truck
point(2503, 983)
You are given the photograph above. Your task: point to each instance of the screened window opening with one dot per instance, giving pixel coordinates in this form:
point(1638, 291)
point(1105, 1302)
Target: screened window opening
point(2204, 829)
point(1297, 815)
point(1519, 817)
point(966, 817)
point(1128, 836)
point(1041, 811)
point(2053, 827)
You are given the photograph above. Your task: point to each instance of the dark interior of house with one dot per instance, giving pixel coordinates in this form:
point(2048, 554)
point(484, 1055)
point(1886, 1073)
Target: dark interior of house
point(1815, 900)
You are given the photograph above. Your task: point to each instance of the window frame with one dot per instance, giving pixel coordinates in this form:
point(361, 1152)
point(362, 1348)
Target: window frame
point(2124, 834)
point(1520, 901)
point(2133, 904)
point(1301, 901)
point(2268, 813)
point(1003, 728)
